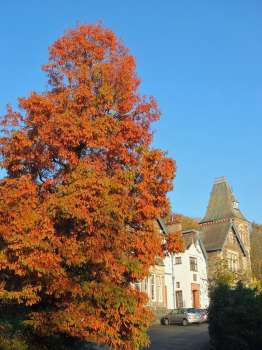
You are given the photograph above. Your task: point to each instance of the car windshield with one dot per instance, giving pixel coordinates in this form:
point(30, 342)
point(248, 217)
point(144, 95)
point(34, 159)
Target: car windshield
point(191, 311)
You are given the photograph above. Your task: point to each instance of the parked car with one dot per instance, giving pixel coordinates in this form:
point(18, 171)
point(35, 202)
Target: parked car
point(182, 316)
point(203, 314)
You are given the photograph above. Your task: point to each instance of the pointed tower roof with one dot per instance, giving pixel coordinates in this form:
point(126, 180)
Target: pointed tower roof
point(222, 203)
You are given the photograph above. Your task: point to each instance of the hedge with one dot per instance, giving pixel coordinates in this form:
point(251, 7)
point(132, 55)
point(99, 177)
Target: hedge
point(235, 318)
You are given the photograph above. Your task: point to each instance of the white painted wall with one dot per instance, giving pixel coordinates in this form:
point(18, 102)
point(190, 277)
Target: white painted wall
point(184, 277)
point(168, 282)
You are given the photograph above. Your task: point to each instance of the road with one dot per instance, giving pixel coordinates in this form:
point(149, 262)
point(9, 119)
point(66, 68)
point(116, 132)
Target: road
point(193, 337)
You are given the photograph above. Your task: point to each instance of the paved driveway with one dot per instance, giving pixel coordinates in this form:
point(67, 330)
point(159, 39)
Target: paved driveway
point(193, 337)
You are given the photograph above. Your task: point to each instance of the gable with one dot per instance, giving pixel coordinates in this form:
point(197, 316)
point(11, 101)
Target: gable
point(192, 239)
point(234, 232)
point(214, 236)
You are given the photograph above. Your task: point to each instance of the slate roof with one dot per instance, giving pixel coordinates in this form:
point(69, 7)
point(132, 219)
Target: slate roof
point(221, 203)
point(213, 235)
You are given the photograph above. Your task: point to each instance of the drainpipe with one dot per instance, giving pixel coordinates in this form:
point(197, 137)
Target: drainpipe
point(173, 279)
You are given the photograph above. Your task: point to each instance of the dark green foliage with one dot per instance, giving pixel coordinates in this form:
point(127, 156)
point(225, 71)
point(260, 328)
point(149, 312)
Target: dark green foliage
point(16, 335)
point(235, 318)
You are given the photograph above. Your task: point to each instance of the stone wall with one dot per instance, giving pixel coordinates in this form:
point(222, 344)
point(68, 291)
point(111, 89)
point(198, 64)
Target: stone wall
point(243, 228)
point(213, 260)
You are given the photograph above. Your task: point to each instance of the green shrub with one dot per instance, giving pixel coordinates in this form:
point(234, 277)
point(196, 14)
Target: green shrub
point(13, 343)
point(15, 334)
point(235, 318)
point(24, 342)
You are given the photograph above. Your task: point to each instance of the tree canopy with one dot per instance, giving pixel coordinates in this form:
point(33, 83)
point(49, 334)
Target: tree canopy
point(82, 191)
point(186, 222)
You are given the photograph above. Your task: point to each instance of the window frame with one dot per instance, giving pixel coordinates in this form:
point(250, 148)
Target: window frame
point(178, 260)
point(193, 263)
point(232, 261)
point(153, 287)
point(159, 290)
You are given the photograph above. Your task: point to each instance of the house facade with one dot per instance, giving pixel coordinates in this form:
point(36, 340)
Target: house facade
point(154, 286)
point(186, 274)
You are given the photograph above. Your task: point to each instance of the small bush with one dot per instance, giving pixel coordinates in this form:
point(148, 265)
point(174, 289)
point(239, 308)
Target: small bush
point(17, 335)
point(235, 318)
point(12, 343)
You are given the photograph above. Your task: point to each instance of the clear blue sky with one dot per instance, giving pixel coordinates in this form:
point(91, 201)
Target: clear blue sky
point(200, 59)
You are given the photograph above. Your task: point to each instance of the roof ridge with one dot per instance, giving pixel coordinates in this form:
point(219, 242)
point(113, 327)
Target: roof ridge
point(215, 222)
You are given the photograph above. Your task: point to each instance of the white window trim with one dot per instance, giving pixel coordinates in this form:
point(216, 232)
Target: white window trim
point(197, 267)
point(159, 288)
point(153, 277)
point(146, 285)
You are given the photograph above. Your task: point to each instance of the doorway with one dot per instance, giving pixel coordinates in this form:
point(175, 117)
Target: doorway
point(195, 295)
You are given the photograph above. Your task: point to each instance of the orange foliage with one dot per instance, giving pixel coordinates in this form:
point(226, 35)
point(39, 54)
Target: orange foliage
point(82, 190)
point(175, 243)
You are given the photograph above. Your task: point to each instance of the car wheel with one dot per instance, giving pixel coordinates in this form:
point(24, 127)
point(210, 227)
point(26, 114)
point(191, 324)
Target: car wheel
point(184, 322)
point(166, 321)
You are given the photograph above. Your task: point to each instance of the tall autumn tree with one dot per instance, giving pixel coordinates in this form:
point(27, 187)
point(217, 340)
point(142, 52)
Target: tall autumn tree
point(82, 191)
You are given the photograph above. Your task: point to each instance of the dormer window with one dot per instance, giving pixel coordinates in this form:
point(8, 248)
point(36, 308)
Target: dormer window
point(235, 204)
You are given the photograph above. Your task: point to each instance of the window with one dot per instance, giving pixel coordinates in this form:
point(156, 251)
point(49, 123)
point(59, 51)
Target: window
point(235, 205)
point(175, 311)
point(232, 261)
point(179, 299)
point(193, 264)
point(152, 287)
point(178, 260)
point(194, 277)
point(146, 285)
point(138, 286)
point(178, 284)
point(159, 289)
point(163, 289)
